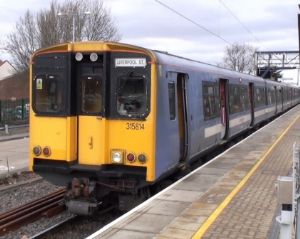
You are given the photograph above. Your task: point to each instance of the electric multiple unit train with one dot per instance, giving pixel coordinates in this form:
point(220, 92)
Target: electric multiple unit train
point(109, 120)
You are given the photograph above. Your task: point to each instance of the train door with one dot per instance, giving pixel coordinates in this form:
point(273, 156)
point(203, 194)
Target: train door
point(251, 99)
point(91, 123)
point(224, 108)
point(182, 114)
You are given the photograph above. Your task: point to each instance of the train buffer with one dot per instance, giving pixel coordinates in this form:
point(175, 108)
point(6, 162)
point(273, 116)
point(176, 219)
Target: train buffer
point(232, 196)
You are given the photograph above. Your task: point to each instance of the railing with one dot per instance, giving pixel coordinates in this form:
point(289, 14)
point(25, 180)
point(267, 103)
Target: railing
point(289, 200)
point(296, 188)
point(14, 112)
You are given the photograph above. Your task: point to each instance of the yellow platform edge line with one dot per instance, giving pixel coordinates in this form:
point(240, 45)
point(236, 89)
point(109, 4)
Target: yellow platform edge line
point(210, 220)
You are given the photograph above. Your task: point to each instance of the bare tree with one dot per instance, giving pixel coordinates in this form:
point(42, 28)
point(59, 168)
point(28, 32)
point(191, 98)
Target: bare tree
point(100, 24)
point(48, 26)
point(55, 25)
point(240, 57)
point(23, 42)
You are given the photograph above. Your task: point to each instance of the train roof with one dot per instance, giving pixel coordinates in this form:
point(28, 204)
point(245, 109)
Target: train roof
point(159, 57)
point(170, 59)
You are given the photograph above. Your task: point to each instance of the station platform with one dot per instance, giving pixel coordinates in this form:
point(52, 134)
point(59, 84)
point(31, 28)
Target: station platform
point(232, 196)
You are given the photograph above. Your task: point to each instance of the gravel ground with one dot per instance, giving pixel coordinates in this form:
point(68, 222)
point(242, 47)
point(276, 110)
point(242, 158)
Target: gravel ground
point(12, 195)
point(16, 178)
point(81, 227)
point(17, 196)
point(34, 228)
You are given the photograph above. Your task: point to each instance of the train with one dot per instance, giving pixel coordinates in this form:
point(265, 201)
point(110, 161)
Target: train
point(109, 120)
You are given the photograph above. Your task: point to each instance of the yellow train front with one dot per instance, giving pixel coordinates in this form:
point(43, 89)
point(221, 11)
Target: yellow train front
point(92, 121)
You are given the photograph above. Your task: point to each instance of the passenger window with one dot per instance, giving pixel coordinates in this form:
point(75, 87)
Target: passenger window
point(234, 99)
point(91, 87)
point(271, 96)
point(210, 93)
point(132, 94)
point(244, 99)
point(238, 99)
point(172, 109)
point(259, 96)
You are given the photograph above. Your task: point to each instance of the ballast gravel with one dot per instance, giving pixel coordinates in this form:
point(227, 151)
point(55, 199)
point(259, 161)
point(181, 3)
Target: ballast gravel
point(15, 191)
point(18, 189)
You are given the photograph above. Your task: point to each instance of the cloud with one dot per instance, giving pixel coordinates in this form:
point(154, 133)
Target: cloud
point(149, 24)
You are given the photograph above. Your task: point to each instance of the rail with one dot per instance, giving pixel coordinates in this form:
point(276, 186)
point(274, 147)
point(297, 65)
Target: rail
point(52, 229)
point(46, 206)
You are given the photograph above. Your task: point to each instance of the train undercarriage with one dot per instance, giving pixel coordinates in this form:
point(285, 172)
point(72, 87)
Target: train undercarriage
point(92, 187)
point(85, 196)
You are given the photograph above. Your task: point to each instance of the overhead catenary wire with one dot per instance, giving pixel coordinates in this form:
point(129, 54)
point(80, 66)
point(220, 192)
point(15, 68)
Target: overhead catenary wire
point(238, 20)
point(192, 21)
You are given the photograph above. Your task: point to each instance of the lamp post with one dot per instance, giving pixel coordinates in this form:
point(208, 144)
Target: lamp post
point(73, 21)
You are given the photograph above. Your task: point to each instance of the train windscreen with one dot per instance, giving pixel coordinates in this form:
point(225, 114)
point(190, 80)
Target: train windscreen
point(130, 79)
point(90, 77)
point(50, 83)
point(113, 85)
point(49, 93)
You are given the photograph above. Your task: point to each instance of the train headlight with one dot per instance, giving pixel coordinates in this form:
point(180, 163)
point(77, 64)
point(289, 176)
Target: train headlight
point(117, 156)
point(78, 56)
point(47, 151)
point(37, 150)
point(93, 57)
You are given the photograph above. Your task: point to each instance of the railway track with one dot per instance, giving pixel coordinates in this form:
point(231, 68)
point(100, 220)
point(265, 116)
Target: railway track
point(46, 206)
point(77, 226)
point(4, 187)
point(55, 227)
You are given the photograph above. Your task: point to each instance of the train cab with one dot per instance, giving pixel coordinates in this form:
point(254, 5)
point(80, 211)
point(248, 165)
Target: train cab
point(93, 114)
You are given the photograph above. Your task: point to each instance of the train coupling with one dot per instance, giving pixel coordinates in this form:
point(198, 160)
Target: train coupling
point(81, 207)
point(79, 198)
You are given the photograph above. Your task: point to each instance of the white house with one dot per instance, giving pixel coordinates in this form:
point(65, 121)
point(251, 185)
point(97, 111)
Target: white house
point(6, 70)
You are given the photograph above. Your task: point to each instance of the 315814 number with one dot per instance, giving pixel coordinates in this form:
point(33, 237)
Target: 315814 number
point(135, 126)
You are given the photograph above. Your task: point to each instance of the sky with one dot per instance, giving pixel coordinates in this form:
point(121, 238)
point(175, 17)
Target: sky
point(265, 24)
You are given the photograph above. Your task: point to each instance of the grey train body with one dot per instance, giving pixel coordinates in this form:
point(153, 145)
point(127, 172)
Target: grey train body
point(201, 106)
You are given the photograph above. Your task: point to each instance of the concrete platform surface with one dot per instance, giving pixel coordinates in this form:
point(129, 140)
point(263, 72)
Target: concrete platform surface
point(232, 196)
point(14, 154)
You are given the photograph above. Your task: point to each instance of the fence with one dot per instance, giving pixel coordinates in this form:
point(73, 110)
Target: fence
point(14, 112)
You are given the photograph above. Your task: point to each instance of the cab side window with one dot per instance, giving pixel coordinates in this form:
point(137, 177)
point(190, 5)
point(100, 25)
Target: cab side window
point(172, 93)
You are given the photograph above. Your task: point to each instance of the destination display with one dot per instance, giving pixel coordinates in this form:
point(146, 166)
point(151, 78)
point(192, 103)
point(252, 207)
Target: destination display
point(130, 62)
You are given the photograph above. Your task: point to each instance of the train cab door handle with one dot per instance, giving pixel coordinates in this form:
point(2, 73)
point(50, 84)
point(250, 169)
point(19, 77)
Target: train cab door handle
point(91, 142)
